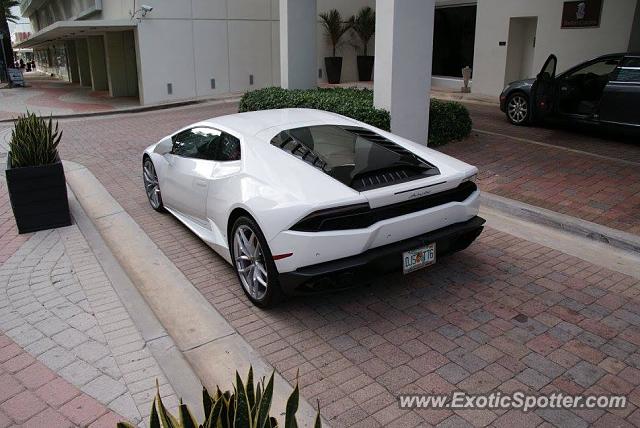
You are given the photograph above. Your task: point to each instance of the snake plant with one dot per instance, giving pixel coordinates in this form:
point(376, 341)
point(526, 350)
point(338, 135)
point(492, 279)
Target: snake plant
point(34, 141)
point(246, 407)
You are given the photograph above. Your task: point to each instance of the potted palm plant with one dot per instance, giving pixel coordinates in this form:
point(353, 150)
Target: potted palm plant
point(364, 25)
point(334, 29)
point(35, 177)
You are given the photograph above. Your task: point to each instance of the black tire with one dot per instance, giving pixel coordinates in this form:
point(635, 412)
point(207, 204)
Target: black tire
point(148, 163)
point(273, 293)
point(517, 109)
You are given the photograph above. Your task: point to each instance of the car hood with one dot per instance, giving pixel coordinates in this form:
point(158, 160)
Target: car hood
point(522, 82)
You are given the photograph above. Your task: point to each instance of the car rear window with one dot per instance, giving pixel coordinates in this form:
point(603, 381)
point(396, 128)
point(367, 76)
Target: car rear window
point(355, 156)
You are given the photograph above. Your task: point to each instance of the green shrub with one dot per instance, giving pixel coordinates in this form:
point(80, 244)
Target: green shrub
point(247, 406)
point(34, 141)
point(354, 103)
point(448, 120)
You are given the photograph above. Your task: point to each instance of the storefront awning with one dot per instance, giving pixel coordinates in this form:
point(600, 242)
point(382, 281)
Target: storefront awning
point(67, 30)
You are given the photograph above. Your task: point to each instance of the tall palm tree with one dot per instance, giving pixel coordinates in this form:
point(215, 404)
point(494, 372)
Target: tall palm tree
point(7, 16)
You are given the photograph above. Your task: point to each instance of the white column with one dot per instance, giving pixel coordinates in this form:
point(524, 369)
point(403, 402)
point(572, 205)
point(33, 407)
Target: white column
point(402, 73)
point(298, 27)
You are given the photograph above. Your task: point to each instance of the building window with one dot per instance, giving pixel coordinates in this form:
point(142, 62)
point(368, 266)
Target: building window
point(453, 40)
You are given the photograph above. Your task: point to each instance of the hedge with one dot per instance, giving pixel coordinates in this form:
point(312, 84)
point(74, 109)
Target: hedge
point(448, 120)
point(354, 103)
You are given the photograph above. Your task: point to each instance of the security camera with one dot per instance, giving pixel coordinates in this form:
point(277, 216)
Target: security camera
point(140, 13)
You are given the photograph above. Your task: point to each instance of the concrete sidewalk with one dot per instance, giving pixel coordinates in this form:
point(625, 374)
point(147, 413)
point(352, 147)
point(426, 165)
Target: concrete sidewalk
point(51, 96)
point(441, 93)
point(70, 352)
point(32, 395)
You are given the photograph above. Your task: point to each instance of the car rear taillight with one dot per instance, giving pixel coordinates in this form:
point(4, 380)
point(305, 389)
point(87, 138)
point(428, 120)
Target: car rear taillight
point(362, 215)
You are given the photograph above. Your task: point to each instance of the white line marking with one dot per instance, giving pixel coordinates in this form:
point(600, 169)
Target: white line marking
point(552, 146)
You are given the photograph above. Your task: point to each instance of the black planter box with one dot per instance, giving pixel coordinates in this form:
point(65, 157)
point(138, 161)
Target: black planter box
point(333, 65)
point(38, 196)
point(365, 67)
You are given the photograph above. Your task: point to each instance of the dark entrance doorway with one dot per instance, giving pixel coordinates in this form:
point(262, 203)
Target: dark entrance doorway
point(454, 34)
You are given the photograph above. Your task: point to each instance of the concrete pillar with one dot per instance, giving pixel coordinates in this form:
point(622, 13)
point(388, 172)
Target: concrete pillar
point(298, 27)
point(122, 72)
point(404, 45)
point(72, 61)
point(97, 63)
point(84, 70)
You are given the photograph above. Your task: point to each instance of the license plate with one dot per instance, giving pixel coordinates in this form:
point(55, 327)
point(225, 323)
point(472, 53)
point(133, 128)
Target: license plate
point(417, 259)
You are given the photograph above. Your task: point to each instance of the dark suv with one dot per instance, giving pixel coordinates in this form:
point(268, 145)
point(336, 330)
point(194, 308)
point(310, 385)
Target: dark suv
point(604, 90)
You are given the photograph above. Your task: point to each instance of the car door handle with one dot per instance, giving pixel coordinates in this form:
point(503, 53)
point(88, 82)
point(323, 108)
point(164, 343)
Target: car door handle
point(200, 182)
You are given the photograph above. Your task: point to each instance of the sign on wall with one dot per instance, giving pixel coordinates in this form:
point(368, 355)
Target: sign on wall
point(581, 14)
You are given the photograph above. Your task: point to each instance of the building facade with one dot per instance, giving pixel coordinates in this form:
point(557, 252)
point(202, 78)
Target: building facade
point(181, 49)
point(186, 49)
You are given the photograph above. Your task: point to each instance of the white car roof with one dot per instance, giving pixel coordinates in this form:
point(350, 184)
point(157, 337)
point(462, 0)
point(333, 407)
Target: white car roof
point(254, 122)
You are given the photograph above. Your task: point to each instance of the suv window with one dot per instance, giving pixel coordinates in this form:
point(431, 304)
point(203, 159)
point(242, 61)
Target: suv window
point(629, 71)
point(206, 143)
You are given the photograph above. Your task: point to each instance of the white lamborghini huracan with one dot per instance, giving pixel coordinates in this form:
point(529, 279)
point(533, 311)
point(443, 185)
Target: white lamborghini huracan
point(301, 200)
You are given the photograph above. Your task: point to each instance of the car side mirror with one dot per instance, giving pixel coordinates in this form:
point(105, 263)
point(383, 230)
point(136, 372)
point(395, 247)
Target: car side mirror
point(164, 146)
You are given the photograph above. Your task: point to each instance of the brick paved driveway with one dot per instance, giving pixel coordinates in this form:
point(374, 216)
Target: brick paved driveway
point(505, 315)
point(586, 175)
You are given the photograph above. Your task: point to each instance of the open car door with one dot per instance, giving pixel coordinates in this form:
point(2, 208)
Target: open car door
point(544, 90)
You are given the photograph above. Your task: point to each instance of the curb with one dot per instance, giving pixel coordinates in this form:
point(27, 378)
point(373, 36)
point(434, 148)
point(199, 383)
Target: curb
point(142, 109)
point(176, 369)
point(205, 338)
point(464, 98)
point(593, 231)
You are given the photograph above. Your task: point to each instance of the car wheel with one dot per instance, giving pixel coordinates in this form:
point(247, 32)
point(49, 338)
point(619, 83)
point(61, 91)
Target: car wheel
point(254, 264)
point(518, 109)
point(151, 185)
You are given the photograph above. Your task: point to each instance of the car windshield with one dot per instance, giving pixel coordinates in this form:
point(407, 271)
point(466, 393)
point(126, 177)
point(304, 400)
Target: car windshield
point(355, 156)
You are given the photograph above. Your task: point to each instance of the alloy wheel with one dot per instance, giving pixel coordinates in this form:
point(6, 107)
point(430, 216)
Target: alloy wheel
point(151, 185)
point(250, 263)
point(518, 109)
